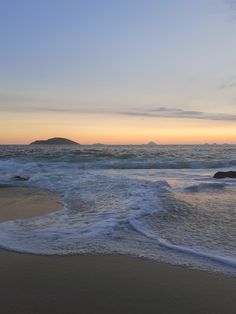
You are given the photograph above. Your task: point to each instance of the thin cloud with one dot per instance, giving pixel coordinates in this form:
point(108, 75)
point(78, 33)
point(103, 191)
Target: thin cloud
point(165, 112)
point(158, 112)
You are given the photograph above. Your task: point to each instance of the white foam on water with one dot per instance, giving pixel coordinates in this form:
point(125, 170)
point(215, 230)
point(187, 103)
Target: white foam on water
point(140, 227)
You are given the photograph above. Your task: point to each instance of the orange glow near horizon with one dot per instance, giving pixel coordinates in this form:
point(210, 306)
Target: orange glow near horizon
point(110, 129)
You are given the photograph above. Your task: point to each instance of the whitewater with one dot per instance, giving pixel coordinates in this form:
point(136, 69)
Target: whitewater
point(157, 202)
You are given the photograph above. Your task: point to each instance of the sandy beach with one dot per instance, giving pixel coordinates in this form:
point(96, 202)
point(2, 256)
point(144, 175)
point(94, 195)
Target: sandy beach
point(20, 202)
point(100, 284)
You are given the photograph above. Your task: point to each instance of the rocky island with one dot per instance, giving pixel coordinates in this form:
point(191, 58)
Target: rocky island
point(55, 141)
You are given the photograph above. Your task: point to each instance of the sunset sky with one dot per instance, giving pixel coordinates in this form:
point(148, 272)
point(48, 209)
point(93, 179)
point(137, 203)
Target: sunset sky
point(126, 71)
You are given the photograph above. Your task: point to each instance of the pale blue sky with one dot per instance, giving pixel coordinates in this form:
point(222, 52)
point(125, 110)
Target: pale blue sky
point(117, 57)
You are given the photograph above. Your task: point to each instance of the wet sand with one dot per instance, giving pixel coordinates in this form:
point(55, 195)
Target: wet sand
point(20, 202)
point(105, 284)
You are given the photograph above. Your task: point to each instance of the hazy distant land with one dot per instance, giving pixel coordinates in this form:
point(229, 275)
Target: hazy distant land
point(65, 141)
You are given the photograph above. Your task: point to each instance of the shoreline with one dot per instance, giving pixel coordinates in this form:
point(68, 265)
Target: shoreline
point(100, 283)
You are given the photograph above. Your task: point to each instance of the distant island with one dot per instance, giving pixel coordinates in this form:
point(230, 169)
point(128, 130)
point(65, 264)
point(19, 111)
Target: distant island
point(151, 143)
point(55, 141)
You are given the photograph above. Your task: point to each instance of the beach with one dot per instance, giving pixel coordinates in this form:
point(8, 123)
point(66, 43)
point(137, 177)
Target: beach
point(20, 202)
point(118, 157)
point(100, 283)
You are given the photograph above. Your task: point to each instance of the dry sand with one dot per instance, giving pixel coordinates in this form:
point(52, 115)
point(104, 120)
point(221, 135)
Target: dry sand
point(102, 284)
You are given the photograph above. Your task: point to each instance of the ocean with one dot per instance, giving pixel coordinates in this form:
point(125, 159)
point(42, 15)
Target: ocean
point(158, 202)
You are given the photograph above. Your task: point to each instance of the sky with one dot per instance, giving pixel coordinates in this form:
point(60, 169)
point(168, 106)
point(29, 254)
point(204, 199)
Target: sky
point(118, 72)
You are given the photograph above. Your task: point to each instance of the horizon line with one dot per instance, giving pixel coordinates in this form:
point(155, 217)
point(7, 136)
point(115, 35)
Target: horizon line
point(121, 144)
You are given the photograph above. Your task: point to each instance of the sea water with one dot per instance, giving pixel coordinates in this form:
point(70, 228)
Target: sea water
point(158, 202)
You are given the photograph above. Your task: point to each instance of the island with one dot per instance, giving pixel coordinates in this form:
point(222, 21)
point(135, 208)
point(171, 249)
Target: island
point(151, 143)
point(55, 141)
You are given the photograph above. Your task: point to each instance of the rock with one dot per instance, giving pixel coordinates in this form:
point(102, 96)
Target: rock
point(226, 174)
point(55, 141)
point(20, 178)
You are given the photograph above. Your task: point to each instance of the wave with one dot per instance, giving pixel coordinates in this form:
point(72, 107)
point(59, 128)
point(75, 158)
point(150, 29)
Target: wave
point(147, 164)
point(21, 167)
point(139, 226)
point(62, 233)
point(115, 205)
point(143, 223)
point(125, 157)
point(206, 187)
point(71, 230)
